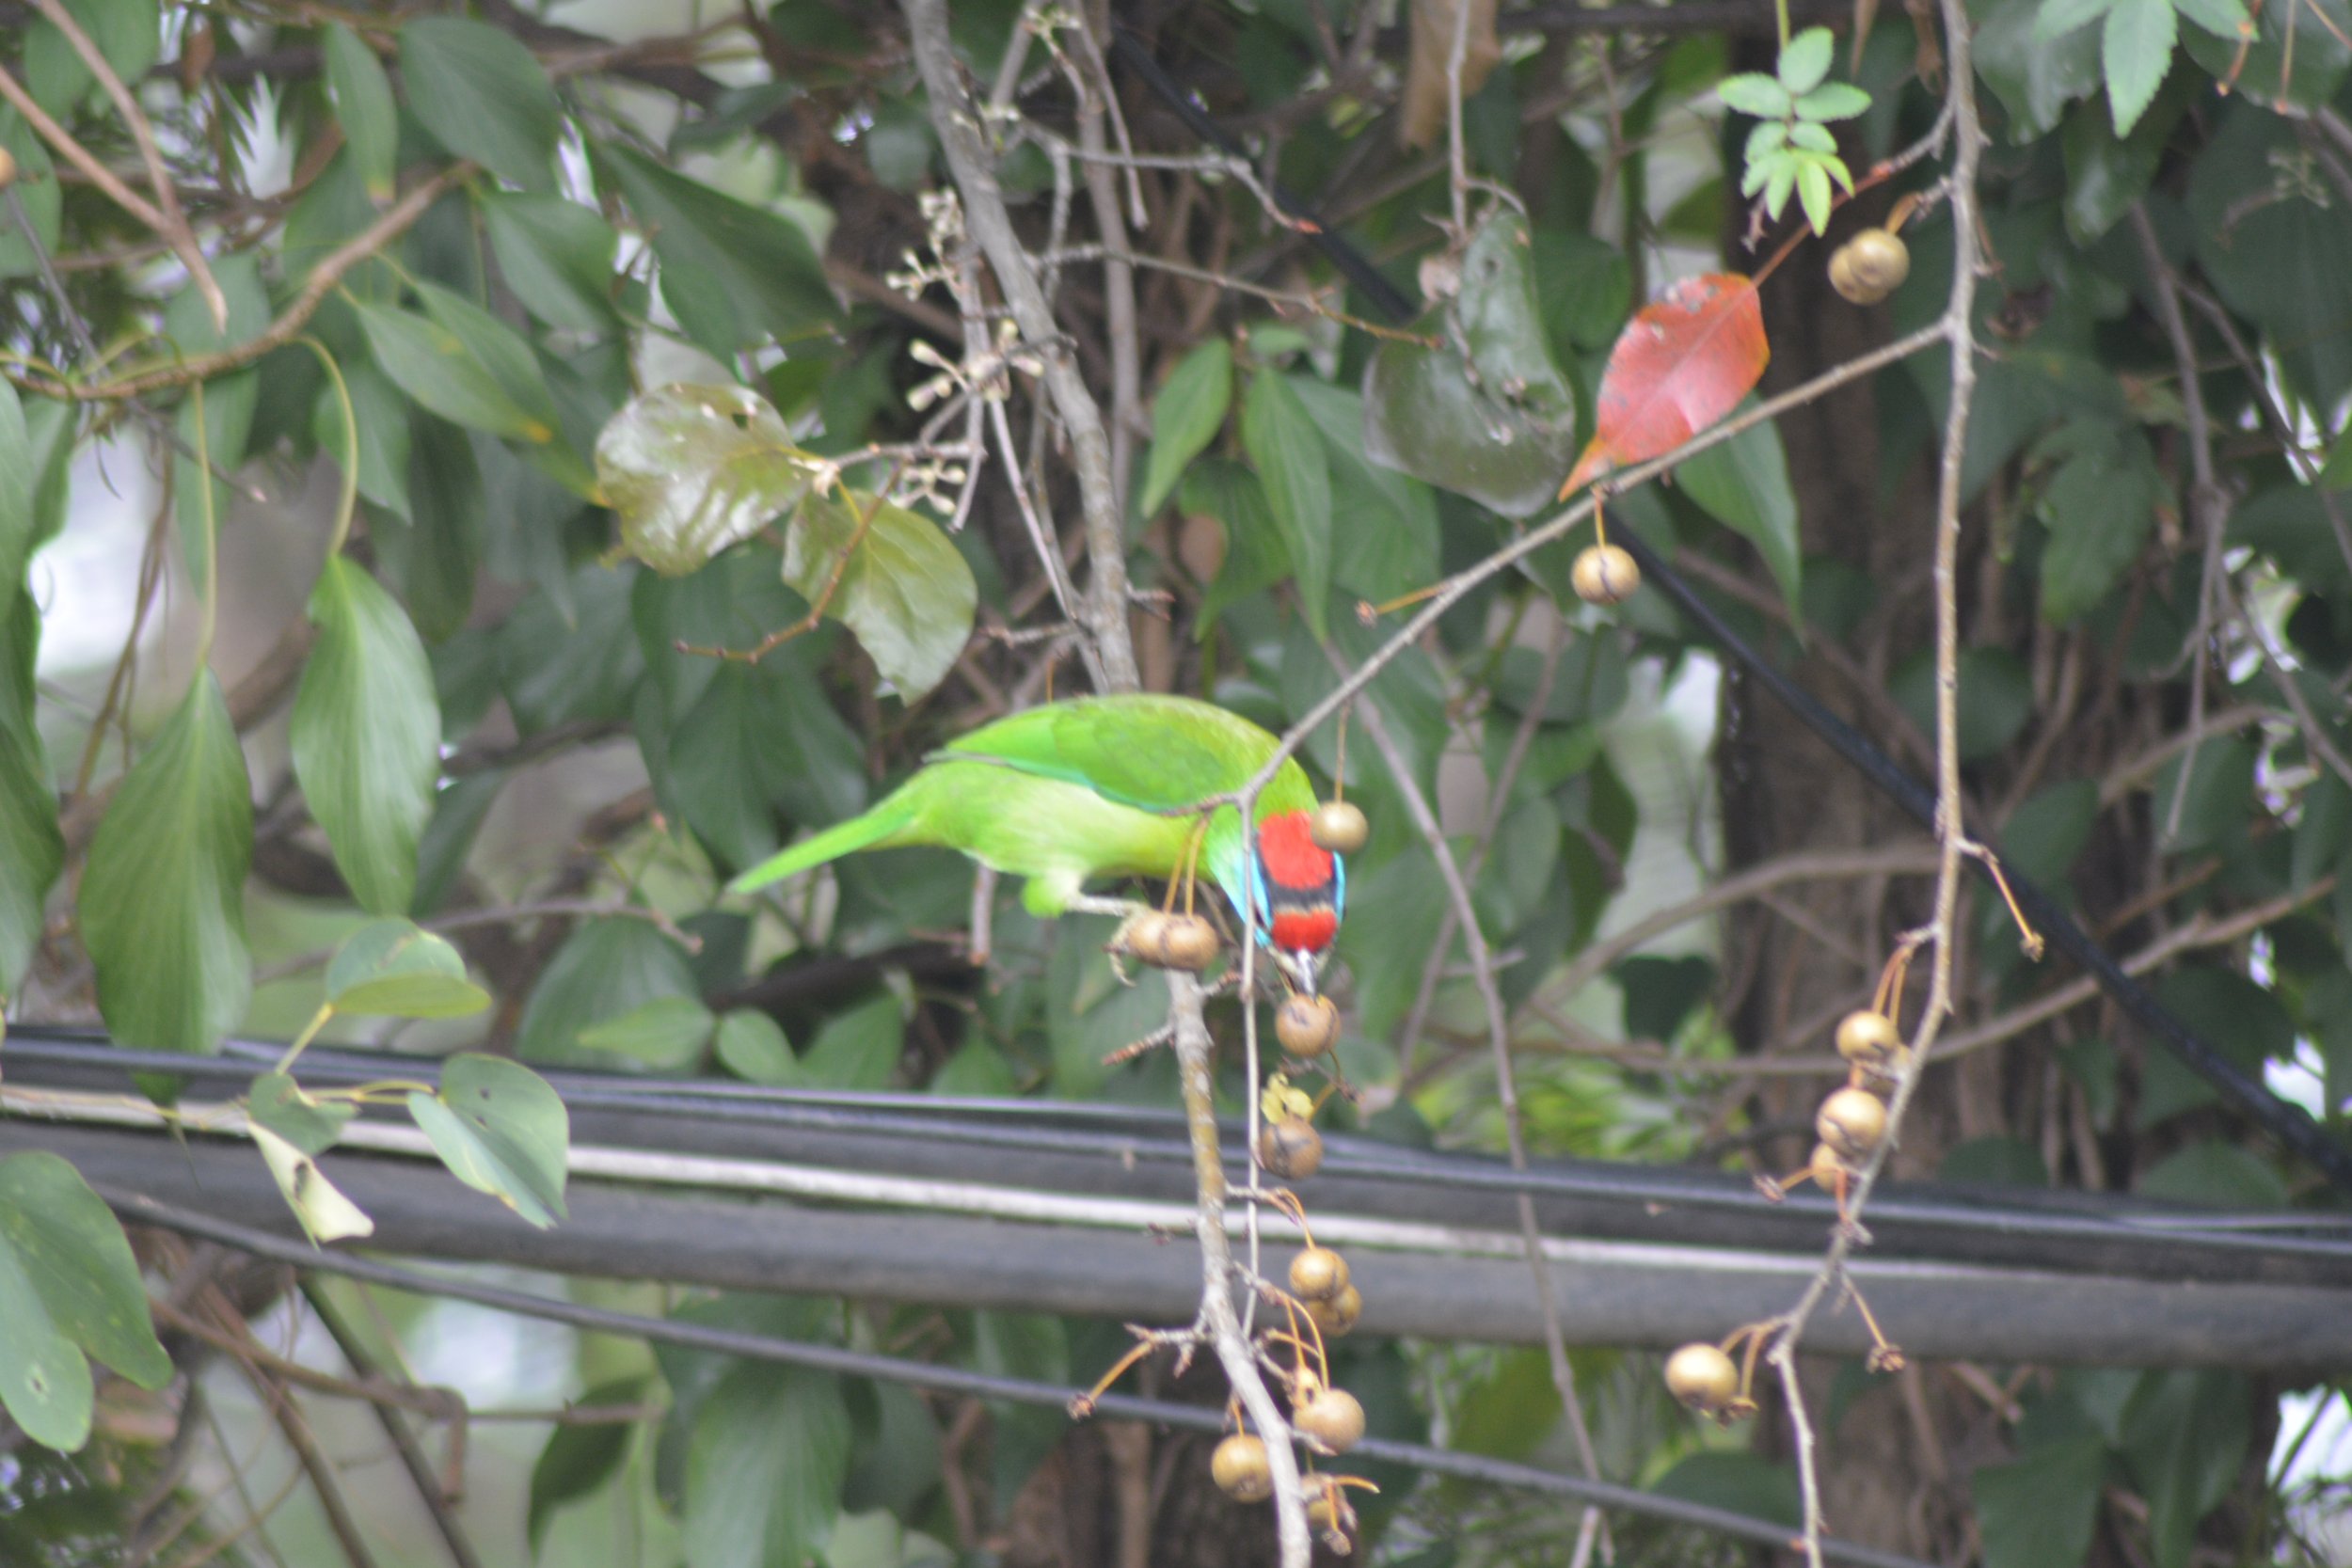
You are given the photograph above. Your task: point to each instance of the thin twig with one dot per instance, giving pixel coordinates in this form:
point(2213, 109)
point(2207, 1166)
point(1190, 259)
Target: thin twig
point(395, 221)
point(1952, 845)
point(1506, 1089)
point(956, 122)
point(173, 227)
point(1196, 1077)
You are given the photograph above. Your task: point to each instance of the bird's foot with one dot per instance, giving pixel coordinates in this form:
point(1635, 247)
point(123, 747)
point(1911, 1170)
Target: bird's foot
point(1121, 945)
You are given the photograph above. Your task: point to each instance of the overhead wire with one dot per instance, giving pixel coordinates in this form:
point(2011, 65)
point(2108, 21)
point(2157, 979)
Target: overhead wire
point(140, 1208)
point(897, 1132)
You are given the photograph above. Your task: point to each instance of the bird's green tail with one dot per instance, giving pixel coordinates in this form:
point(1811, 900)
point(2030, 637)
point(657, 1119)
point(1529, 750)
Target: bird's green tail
point(877, 827)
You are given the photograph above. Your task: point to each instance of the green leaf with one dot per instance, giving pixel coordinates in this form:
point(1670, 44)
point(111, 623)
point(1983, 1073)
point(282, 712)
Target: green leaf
point(2185, 1437)
point(32, 850)
point(67, 1279)
point(2136, 49)
point(1833, 101)
point(2214, 1175)
point(556, 255)
point(907, 593)
point(366, 736)
point(431, 559)
point(382, 415)
point(2099, 509)
point(692, 470)
point(1487, 413)
point(666, 1034)
point(2057, 18)
point(754, 1047)
point(578, 1460)
point(501, 1130)
point(1393, 516)
point(1186, 415)
point(2277, 261)
point(858, 1049)
point(1752, 93)
point(1743, 484)
point(1287, 452)
point(481, 94)
point(2034, 76)
point(2105, 174)
point(163, 894)
point(764, 1469)
point(391, 969)
point(445, 373)
point(733, 274)
point(2303, 47)
point(362, 96)
point(605, 969)
point(127, 34)
point(498, 349)
point(1996, 698)
point(1804, 63)
point(309, 1125)
point(1743, 1482)
point(319, 1206)
point(2040, 1511)
point(1813, 194)
point(36, 188)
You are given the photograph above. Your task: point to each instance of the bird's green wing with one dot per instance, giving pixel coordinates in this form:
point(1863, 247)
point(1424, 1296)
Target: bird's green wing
point(1146, 751)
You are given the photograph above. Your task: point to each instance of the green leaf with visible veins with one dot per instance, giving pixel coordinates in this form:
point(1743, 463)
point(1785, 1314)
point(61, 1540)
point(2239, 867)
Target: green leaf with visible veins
point(362, 96)
point(693, 469)
point(501, 1130)
point(366, 736)
point(481, 93)
point(2136, 49)
point(163, 894)
point(906, 592)
point(1287, 450)
point(1185, 416)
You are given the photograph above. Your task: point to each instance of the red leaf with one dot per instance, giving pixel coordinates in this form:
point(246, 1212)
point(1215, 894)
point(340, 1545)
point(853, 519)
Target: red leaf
point(1680, 364)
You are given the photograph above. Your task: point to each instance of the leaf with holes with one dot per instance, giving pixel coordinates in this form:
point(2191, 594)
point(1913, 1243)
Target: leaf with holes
point(693, 469)
point(68, 1286)
point(1682, 364)
point(309, 1124)
point(906, 591)
point(319, 1206)
point(501, 1130)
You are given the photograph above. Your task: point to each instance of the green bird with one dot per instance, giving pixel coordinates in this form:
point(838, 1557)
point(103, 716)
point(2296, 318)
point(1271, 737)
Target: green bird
point(1098, 787)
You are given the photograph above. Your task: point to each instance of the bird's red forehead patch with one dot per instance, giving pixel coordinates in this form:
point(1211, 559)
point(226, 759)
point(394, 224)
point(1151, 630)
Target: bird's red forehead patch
point(1290, 855)
point(1304, 931)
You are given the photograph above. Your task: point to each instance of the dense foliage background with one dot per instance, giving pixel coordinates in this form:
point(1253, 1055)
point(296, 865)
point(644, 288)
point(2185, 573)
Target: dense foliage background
point(421, 648)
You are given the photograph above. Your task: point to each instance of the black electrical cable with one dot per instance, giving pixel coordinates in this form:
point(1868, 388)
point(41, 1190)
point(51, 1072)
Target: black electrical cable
point(140, 1208)
point(1158, 1138)
point(2289, 1123)
point(1345, 257)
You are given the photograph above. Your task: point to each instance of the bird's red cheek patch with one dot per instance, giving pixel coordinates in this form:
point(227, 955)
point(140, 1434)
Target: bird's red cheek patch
point(1304, 931)
point(1292, 859)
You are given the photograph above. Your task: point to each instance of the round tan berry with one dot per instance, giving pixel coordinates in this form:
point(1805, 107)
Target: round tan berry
point(1337, 1316)
point(1827, 1168)
point(1144, 939)
point(1853, 1122)
point(1333, 1517)
point(1878, 261)
point(1318, 1273)
point(1702, 1377)
point(1332, 1417)
point(1239, 1465)
point(1307, 1026)
point(1191, 944)
point(1841, 278)
point(1867, 1038)
point(1604, 574)
point(1290, 1149)
point(1338, 827)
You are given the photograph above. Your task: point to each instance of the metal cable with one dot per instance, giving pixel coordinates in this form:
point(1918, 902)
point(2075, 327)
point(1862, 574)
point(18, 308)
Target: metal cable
point(1958, 1225)
point(137, 1208)
point(2289, 1123)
